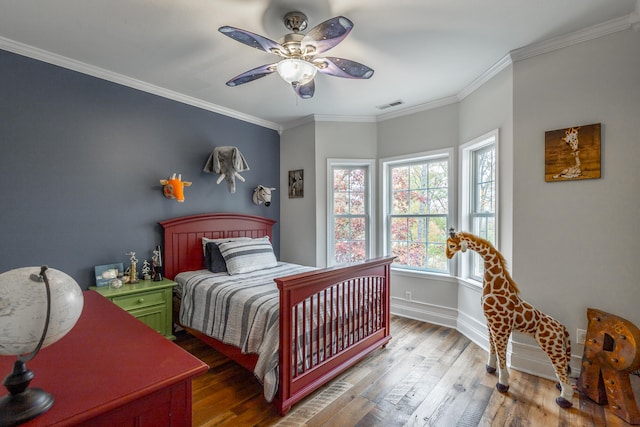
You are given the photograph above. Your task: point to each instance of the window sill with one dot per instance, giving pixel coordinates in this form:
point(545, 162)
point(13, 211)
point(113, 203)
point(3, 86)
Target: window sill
point(444, 277)
point(470, 283)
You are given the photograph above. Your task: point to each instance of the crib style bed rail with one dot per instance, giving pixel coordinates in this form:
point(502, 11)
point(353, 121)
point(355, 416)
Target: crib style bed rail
point(329, 320)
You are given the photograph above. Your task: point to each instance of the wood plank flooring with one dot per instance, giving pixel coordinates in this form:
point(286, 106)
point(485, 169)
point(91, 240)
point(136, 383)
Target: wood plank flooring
point(426, 376)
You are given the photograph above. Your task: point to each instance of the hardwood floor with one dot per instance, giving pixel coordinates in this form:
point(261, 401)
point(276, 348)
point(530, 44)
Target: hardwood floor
point(427, 376)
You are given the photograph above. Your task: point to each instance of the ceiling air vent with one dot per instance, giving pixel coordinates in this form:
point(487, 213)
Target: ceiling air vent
point(389, 105)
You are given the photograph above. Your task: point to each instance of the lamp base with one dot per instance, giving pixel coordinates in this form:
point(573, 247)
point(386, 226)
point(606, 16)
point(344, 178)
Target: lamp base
point(19, 408)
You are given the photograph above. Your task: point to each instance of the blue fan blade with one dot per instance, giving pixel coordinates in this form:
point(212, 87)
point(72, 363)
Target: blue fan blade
point(345, 68)
point(306, 90)
point(326, 35)
point(253, 40)
point(251, 75)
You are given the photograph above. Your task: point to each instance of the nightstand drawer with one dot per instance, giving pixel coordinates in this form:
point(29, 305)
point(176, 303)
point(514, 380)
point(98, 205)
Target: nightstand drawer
point(152, 316)
point(145, 299)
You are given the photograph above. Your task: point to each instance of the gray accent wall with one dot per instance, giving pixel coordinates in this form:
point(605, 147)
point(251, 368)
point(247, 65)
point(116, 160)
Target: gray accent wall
point(81, 159)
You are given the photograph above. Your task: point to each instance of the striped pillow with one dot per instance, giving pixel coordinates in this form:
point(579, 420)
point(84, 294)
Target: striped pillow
point(245, 256)
point(206, 240)
point(213, 260)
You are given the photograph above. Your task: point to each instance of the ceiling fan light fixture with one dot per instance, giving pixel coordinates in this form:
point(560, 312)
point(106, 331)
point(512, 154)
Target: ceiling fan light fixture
point(298, 62)
point(296, 71)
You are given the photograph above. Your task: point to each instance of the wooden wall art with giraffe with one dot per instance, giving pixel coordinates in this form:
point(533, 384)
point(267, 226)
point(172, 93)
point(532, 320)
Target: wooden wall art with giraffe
point(572, 153)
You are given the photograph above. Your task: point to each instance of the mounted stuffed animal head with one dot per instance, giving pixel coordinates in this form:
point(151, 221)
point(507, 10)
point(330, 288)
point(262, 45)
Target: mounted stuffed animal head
point(262, 194)
point(173, 188)
point(227, 162)
point(455, 243)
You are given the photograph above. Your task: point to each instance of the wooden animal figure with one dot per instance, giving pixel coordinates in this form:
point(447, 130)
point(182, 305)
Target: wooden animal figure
point(227, 162)
point(262, 194)
point(173, 188)
point(505, 312)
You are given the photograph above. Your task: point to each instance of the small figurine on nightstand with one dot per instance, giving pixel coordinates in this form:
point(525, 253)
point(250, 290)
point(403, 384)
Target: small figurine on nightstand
point(146, 270)
point(133, 272)
point(156, 260)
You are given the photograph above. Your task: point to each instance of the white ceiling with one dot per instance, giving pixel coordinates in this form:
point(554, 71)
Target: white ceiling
point(422, 51)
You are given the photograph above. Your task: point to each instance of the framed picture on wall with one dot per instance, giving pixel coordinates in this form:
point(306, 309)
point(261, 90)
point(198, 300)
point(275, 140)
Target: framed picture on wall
point(572, 153)
point(296, 183)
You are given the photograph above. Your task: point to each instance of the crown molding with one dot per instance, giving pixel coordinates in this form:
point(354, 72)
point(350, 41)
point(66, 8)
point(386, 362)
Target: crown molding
point(101, 73)
point(317, 118)
point(586, 34)
point(351, 119)
point(485, 77)
point(419, 108)
point(297, 122)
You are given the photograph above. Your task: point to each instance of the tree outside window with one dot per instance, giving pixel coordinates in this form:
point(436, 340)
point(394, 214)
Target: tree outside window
point(479, 189)
point(349, 220)
point(483, 216)
point(418, 210)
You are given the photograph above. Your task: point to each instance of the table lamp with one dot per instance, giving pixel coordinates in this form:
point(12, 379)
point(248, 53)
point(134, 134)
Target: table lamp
point(38, 306)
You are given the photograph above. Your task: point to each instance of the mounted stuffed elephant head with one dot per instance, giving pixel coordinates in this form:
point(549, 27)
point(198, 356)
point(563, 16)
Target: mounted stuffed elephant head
point(227, 162)
point(262, 194)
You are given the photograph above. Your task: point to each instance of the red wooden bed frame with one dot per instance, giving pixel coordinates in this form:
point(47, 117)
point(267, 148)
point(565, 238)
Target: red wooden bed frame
point(362, 290)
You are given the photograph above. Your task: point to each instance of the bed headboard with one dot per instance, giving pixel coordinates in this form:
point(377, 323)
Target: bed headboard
point(183, 237)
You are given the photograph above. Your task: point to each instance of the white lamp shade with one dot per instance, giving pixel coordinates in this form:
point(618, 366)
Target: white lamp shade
point(296, 71)
point(23, 309)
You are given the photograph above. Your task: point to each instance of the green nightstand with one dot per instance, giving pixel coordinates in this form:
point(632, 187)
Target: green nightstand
point(146, 300)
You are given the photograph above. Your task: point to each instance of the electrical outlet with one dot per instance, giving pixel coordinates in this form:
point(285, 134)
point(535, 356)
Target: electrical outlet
point(581, 336)
point(407, 296)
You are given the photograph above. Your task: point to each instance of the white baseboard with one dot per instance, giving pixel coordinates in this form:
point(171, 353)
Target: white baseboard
point(430, 313)
point(531, 359)
point(474, 330)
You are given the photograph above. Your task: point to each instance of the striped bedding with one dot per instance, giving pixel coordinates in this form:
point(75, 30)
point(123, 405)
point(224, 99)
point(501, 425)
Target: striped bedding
point(240, 310)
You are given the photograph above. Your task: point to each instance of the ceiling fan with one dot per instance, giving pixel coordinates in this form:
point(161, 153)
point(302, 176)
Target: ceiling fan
point(298, 52)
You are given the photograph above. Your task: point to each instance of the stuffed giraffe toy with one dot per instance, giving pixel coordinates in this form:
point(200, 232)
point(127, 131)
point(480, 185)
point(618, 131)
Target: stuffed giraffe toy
point(505, 312)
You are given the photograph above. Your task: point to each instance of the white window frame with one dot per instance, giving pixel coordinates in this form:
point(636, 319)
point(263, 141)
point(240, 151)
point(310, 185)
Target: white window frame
point(370, 165)
point(385, 165)
point(467, 185)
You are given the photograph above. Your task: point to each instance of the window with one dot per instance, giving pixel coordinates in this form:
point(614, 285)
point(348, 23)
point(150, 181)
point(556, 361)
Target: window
point(417, 210)
point(349, 219)
point(479, 195)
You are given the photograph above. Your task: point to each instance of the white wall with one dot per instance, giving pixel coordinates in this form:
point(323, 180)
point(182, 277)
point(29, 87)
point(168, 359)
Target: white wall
point(489, 107)
point(570, 245)
point(575, 244)
point(298, 215)
point(308, 146)
point(433, 297)
point(343, 141)
point(423, 131)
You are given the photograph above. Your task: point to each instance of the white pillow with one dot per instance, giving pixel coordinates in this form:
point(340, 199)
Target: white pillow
point(245, 256)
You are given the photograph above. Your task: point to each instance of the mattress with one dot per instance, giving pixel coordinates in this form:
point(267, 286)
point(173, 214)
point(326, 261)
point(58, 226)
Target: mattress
point(240, 310)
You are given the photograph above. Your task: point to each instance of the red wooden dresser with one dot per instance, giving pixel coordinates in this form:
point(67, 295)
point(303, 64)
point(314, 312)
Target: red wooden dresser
point(112, 369)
